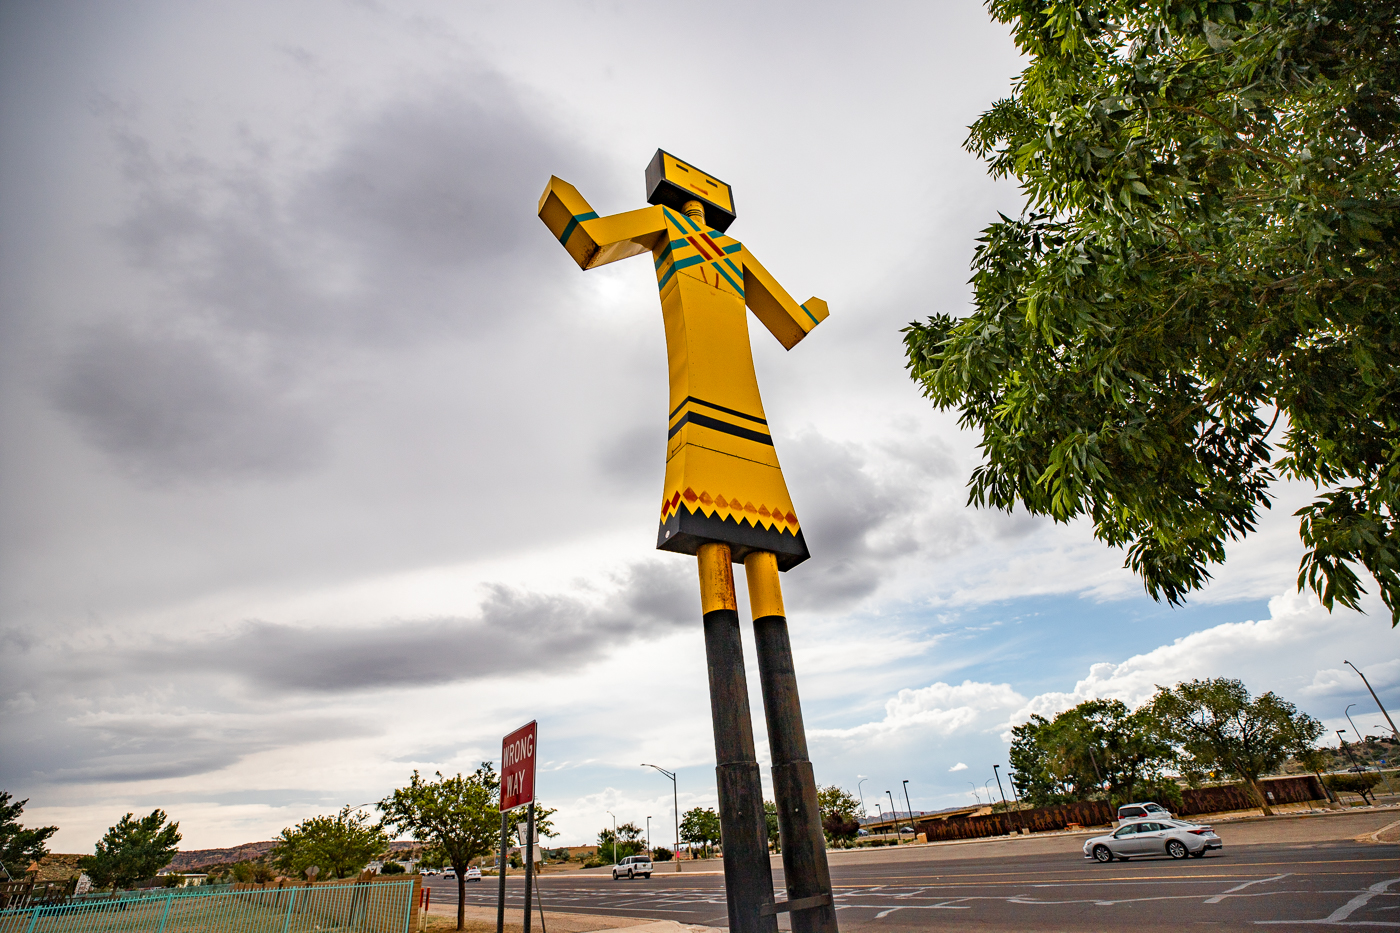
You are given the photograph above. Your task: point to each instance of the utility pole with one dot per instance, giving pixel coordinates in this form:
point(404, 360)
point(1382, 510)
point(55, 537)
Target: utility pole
point(1374, 697)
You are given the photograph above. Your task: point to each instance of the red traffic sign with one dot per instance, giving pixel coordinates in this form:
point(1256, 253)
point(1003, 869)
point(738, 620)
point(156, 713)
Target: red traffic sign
point(518, 767)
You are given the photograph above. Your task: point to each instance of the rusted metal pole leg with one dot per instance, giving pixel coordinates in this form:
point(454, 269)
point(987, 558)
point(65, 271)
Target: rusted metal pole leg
point(748, 878)
point(794, 784)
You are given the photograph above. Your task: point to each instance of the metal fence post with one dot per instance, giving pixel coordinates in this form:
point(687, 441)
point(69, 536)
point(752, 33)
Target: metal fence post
point(166, 913)
point(287, 924)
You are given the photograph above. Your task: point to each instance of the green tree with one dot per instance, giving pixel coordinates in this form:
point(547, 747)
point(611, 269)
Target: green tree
point(1098, 749)
point(1211, 250)
point(839, 809)
point(456, 818)
point(700, 827)
point(629, 840)
point(20, 846)
point(132, 851)
point(770, 819)
point(340, 845)
point(1215, 727)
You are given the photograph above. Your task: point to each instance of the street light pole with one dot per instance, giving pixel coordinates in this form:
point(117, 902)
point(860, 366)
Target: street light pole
point(648, 837)
point(911, 808)
point(896, 818)
point(614, 842)
point(1345, 748)
point(676, 810)
point(996, 770)
point(863, 810)
point(1374, 697)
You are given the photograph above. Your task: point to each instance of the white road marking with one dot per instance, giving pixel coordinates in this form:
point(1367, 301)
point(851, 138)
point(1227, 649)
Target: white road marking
point(1240, 887)
point(1339, 916)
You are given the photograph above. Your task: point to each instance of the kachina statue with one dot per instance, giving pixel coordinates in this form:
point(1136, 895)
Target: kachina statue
point(725, 501)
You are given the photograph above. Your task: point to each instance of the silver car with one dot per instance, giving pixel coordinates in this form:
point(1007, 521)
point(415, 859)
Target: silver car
point(1153, 837)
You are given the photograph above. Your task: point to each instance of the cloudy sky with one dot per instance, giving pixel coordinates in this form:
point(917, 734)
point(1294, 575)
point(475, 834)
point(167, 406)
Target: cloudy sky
point(322, 462)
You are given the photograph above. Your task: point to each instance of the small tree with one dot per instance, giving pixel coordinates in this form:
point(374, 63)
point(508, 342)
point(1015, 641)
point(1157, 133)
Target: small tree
point(770, 818)
point(132, 850)
point(455, 817)
point(339, 845)
point(1215, 726)
point(700, 826)
point(629, 840)
point(20, 846)
point(839, 808)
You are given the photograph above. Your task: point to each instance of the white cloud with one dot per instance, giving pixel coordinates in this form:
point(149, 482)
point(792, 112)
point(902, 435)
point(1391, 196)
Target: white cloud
point(960, 766)
point(940, 709)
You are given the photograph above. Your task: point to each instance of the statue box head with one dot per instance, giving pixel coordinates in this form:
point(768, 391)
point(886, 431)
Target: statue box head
point(672, 183)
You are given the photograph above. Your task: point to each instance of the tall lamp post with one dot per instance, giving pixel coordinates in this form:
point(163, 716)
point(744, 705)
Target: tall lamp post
point(676, 809)
point(614, 842)
point(648, 837)
point(1347, 749)
point(1374, 697)
point(863, 810)
point(996, 770)
point(895, 812)
point(911, 808)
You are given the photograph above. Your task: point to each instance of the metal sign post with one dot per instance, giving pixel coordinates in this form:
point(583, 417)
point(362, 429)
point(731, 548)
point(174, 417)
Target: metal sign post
point(517, 787)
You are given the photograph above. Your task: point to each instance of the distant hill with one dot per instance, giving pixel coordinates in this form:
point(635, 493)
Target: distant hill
point(197, 859)
point(202, 858)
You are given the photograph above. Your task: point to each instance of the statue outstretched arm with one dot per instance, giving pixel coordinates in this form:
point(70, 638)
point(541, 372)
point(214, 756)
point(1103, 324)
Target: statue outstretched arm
point(594, 240)
point(785, 318)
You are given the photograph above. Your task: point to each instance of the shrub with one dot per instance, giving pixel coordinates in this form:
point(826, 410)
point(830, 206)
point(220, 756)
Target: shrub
point(1353, 782)
point(391, 868)
point(662, 854)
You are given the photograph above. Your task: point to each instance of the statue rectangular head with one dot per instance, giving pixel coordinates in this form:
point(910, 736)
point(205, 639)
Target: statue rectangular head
point(672, 182)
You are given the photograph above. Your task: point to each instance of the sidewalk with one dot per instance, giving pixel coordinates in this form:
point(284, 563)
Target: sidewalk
point(442, 918)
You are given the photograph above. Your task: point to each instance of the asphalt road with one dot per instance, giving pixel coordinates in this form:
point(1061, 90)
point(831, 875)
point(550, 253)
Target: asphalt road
point(1299, 874)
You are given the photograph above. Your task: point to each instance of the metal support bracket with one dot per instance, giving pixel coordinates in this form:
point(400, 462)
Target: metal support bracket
point(802, 903)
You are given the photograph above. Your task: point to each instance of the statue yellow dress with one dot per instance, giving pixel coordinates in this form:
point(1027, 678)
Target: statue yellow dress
point(723, 480)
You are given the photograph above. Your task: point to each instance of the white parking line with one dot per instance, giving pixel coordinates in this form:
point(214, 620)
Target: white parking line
point(1339, 916)
point(1240, 887)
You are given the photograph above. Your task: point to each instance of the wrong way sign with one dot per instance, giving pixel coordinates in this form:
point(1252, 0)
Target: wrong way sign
point(518, 767)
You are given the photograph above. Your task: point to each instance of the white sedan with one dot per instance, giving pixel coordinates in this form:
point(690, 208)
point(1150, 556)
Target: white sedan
point(1175, 838)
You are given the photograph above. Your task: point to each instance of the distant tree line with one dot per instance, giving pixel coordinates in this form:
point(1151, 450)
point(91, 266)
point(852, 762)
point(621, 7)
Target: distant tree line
point(1198, 730)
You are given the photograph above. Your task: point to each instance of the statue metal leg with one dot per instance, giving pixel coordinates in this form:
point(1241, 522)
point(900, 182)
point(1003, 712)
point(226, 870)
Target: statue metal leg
point(748, 878)
point(794, 784)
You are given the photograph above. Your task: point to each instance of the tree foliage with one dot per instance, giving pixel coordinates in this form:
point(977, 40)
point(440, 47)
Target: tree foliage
point(839, 809)
point(132, 851)
point(340, 845)
point(456, 818)
point(614, 847)
point(19, 846)
point(1098, 749)
point(1215, 727)
point(1211, 251)
point(700, 827)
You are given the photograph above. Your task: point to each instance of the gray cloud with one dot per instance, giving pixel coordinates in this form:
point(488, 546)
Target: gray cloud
point(177, 705)
point(416, 228)
point(859, 521)
point(517, 631)
point(171, 406)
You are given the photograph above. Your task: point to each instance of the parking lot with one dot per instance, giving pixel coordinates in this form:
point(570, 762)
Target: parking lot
point(1299, 873)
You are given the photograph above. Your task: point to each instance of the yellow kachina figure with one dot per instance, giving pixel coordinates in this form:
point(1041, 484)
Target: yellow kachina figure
point(723, 481)
point(726, 502)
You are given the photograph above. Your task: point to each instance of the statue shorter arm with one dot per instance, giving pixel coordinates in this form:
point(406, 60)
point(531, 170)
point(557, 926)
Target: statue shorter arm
point(593, 240)
point(785, 318)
